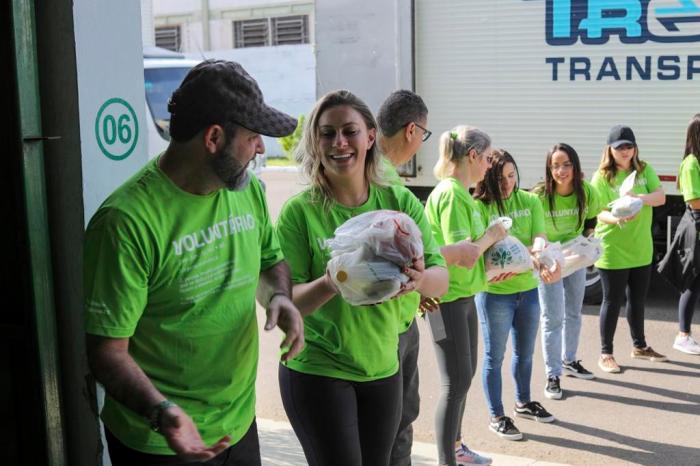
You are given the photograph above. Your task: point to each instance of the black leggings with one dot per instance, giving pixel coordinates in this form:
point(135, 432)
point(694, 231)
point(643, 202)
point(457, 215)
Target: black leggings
point(634, 282)
point(455, 329)
point(340, 422)
point(686, 305)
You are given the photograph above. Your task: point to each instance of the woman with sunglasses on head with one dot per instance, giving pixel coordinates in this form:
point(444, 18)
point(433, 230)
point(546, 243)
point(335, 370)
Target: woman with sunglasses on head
point(511, 304)
point(625, 263)
point(568, 202)
point(342, 393)
point(460, 230)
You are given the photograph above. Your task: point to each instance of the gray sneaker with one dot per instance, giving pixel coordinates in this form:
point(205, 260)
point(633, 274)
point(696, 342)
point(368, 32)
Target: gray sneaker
point(553, 390)
point(504, 428)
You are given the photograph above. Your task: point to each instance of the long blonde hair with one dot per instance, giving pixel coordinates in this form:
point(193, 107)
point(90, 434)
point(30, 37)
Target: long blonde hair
point(455, 145)
point(608, 168)
point(308, 152)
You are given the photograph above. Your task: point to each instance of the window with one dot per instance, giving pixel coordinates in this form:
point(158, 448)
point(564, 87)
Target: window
point(271, 31)
point(160, 85)
point(290, 30)
point(251, 33)
point(168, 37)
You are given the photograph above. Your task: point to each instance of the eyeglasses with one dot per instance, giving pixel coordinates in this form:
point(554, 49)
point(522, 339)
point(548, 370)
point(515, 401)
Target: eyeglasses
point(426, 132)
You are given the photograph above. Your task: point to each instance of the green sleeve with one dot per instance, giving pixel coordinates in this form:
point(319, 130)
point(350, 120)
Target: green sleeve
point(270, 251)
point(603, 190)
point(593, 204)
point(115, 275)
point(537, 215)
point(412, 206)
point(454, 224)
point(294, 241)
point(653, 181)
point(689, 178)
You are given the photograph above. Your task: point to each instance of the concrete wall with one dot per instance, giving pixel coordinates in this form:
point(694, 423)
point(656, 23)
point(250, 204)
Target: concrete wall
point(363, 46)
point(110, 66)
point(170, 7)
point(191, 15)
point(148, 32)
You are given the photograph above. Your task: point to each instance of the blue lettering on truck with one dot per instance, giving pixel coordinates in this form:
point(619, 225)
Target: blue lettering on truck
point(594, 22)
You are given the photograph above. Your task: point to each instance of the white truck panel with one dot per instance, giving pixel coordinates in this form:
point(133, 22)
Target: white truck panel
point(484, 63)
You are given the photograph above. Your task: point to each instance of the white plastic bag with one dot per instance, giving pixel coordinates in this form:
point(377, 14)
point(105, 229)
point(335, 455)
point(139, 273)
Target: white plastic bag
point(369, 252)
point(551, 255)
point(391, 235)
point(364, 278)
point(507, 255)
point(507, 222)
point(579, 253)
point(626, 205)
point(628, 184)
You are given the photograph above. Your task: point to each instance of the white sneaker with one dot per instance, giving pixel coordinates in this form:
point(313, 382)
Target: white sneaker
point(686, 344)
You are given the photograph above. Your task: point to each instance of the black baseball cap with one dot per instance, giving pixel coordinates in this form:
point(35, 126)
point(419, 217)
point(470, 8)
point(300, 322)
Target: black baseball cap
point(619, 135)
point(220, 91)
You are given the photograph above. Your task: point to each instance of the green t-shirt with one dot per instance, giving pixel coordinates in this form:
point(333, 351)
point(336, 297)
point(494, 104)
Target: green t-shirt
point(454, 216)
point(525, 210)
point(176, 274)
point(391, 176)
point(689, 178)
point(357, 343)
point(629, 245)
point(562, 223)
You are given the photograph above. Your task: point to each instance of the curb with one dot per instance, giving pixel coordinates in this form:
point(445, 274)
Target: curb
point(287, 451)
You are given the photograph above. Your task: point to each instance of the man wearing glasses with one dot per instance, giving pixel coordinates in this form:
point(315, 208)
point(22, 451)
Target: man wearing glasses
point(402, 119)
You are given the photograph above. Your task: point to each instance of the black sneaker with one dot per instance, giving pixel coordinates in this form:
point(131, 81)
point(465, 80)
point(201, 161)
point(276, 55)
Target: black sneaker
point(552, 390)
point(504, 428)
point(533, 410)
point(576, 369)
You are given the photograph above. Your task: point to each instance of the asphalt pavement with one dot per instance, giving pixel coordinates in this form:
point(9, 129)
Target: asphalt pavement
point(649, 414)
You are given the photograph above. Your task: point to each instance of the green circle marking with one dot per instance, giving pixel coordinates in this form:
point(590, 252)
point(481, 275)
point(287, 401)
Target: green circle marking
point(116, 127)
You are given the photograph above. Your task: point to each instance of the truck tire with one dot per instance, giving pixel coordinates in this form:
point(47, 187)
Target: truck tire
point(594, 289)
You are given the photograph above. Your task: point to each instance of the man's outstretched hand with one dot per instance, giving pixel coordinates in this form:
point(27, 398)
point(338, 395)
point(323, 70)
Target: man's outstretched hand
point(184, 439)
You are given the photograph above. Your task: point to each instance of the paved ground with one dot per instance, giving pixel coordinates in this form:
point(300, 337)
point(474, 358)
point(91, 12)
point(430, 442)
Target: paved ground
point(288, 452)
point(649, 414)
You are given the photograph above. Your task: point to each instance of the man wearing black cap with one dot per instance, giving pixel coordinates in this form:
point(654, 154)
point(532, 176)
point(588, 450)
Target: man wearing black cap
point(173, 261)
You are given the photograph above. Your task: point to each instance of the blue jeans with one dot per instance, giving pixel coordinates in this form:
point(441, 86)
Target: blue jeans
point(561, 304)
point(498, 314)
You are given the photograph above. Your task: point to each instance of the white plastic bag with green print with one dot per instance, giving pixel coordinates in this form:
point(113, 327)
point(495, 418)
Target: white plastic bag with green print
point(507, 256)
